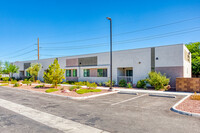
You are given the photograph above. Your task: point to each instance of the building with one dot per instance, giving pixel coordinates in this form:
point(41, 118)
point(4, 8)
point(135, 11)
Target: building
point(131, 65)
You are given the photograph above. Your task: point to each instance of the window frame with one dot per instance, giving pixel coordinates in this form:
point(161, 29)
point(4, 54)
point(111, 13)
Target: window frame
point(102, 72)
point(68, 71)
point(74, 73)
point(86, 72)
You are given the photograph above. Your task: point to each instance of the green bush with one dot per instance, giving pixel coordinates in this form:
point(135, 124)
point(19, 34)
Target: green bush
point(129, 85)
point(69, 82)
point(91, 85)
point(122, 83)
point(100, 84)
point(38, 81)
point(142, 83)
point(13, 82)
point(157, 80)
point(82, 91)
point(16, 85)
point(5, 78)
point(40, 86)
point(74, 87)
point(51, 90)
point(3, 84)
point(108, 83)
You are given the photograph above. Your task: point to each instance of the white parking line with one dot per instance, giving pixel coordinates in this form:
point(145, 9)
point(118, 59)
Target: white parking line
point(128, 100)
point(50, 120)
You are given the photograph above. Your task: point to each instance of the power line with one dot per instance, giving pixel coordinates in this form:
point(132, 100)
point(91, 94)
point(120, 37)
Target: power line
point(123, 33)
point(22, 54)
point(131, 41)
point(20, 50)
point(123, 41)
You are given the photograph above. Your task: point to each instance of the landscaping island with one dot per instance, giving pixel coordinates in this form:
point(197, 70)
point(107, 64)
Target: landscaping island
point(190, 104)
point(60, 90)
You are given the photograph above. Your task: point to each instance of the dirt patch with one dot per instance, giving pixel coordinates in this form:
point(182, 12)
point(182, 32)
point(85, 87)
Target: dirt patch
point(189, 105)
point(67, 93)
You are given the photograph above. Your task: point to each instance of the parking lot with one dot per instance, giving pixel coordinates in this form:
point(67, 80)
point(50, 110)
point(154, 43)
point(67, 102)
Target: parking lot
point(123, 113)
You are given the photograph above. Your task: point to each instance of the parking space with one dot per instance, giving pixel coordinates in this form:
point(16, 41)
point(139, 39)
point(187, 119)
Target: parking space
point(123, 113)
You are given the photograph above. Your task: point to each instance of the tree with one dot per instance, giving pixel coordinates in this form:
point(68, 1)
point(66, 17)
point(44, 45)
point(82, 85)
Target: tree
point(194, 48)
point(54, 74)
point(1, 69)
point(33, 70)
point(10, 69)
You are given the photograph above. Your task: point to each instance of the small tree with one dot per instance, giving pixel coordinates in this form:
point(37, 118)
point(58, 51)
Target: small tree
point(54, 74)
point(33, 70)
point(10, 69)
point(1, 69)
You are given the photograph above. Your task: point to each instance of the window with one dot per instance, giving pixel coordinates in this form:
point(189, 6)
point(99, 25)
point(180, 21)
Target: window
point(28, 74)
point(74, 73)
point(102, 72)
point(68, 73)
point(129, 72)
point(86, 72)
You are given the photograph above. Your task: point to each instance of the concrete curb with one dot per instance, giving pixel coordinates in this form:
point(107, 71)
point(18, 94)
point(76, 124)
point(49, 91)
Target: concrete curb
point(161, 95)
point(183, 112)
point(141, 91)
point(69, 97)
point(130, 93)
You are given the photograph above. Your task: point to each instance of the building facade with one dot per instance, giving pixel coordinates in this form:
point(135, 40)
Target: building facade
point(131, 65)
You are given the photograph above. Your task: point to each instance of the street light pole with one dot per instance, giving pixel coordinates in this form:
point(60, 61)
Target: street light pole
point(110, 53)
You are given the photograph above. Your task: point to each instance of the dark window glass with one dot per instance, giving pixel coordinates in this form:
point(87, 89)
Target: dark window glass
point(74, 73)
point(68, 73)
point(129, 72)
point(102, 72)
point(86, 72)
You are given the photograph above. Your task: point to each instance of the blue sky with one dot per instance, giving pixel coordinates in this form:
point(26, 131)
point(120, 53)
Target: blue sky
point(80, 27)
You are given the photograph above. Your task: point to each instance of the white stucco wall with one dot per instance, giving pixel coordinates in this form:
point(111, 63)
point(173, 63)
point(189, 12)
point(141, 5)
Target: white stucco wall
point(187, 69)
point(171, 55)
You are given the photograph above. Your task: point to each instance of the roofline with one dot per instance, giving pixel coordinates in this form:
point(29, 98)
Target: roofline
point(103, 52)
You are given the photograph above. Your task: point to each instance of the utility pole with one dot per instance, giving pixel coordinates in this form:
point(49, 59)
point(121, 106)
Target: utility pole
point(38, 50)
point(111, 89)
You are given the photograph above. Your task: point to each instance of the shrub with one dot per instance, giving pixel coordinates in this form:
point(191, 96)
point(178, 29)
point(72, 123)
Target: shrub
point(13, 82)
point(16, 85)
point(100, 84)
point(142, 84)
point(51, 90)
point(3, 84)
point(40, 86)
point(195, 96)
point(157, 80)
point(108, 83)
point(74, 87)
point(129, 85)
point(5, 78)
point(122, 83)
point(27, 82)
point(91, 85)
point(82, 91)
point(38, 81)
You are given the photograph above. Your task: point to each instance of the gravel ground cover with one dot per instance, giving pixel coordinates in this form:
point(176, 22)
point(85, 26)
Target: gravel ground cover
point(60, 92)
point(189, 105)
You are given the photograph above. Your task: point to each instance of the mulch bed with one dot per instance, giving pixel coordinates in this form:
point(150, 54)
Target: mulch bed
point(70, 93)
point(189, 105)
